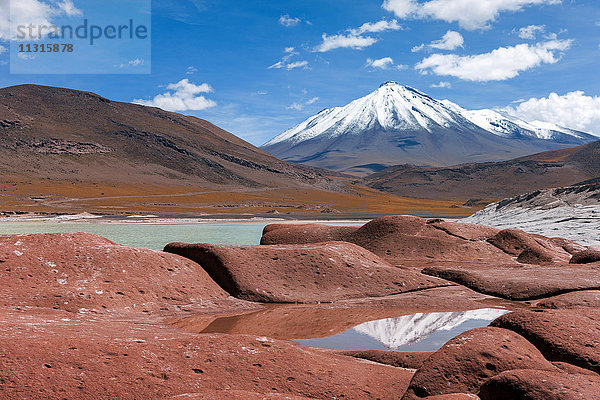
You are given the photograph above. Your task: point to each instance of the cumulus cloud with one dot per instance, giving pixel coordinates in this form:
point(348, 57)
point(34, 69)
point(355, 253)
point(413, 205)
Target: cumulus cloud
point(500, 64)
point(288, 21)
point(2, 49)
point(450, 41)
point(470, 14)
point(26, 12)
point(181, 96)
point(383, 63)
point(355, 38)
point(530, 32)
point(442, 85)
point(573, 110)
point(350, 41)
point(377, 27)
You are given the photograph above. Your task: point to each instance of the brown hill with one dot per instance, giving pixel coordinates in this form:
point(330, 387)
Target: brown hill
point(494, 180)
point(69, 151)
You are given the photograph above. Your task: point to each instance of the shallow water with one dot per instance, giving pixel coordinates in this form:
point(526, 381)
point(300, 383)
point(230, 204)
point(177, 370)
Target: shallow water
point(420, 332)
point(349, 328)
point(151, 236)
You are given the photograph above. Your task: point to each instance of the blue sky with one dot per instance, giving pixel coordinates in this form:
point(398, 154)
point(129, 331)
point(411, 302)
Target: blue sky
point(257, 68)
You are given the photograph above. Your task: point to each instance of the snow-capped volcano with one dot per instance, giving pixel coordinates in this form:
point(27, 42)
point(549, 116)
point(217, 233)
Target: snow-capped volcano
point(401, 125)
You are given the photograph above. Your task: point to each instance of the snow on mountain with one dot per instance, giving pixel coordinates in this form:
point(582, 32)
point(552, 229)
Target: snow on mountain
point(571, 212)
point(394, 333)
point(503, 124)
point(398, 124)
point(391, 107)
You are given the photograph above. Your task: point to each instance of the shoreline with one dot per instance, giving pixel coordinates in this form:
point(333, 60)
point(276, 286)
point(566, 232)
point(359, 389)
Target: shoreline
point(86, 218)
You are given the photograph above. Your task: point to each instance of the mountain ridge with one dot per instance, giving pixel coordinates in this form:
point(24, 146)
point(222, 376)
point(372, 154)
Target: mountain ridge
point(398, 124)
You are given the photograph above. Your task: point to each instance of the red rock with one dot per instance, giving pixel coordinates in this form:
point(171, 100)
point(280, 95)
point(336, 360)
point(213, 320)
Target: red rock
point(405, 240)
point(520, 282)
point(568, 245)
point(81, 271)
point(454, 396)
point(234, 395)
point(465, 231)
point(531, 249)
point(571, 336)
point(541, 385)
point(322, 272)
point(399, 359)
point(573, 369)
point(57, 356)
point(586, 257)
point(464, 363)
point(584, 298)
point(303, 234)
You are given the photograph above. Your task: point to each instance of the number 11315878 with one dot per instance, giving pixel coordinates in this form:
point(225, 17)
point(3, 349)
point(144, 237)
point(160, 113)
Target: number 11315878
point(46, 48)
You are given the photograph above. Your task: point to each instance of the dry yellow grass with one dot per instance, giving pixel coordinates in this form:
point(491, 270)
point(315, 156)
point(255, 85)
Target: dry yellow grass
point(114, 199)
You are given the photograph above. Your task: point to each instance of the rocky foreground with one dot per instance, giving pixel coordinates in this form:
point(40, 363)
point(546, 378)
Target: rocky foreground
point(85, 318)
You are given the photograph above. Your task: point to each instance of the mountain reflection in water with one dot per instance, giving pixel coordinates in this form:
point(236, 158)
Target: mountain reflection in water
point(416, 332)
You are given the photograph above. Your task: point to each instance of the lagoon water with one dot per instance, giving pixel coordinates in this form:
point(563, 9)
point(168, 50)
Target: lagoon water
point(152, 236)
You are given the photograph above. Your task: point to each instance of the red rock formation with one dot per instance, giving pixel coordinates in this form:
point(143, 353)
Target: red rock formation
point(572, 336)
point(464, 363)
point(584, 298)
point(57, 356)
point(518, 281)
point(400, 359)
point(321, 272)
point(405, 240)
point(528, 248)
point(81, 271)
point(540, 385)
point(586, 257)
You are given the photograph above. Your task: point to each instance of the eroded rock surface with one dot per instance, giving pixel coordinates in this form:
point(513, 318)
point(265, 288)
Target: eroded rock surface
point(521, 281)
point(464, 363)
point(81, 271)
point(541, 385)
point(321, 272)
point(571, 336)
point(408, 240)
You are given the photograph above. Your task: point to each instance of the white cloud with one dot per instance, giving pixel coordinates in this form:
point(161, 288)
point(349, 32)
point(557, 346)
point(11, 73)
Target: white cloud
point(285, 61)
point(26, 12)
point(345, 41)
point(573, 110)
point(133, 63)
point(450, 41)
point(442, 85)
point(69, 9)
point(191, 70)
point(530, 32)
point(377, 27)
point(300, 106)
point(295, 106)
point(181, 96)
point(288, 21)
point(289, 66)
point(500, 64)
point(383, 63)
point(470, 14)
point(2, 49)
